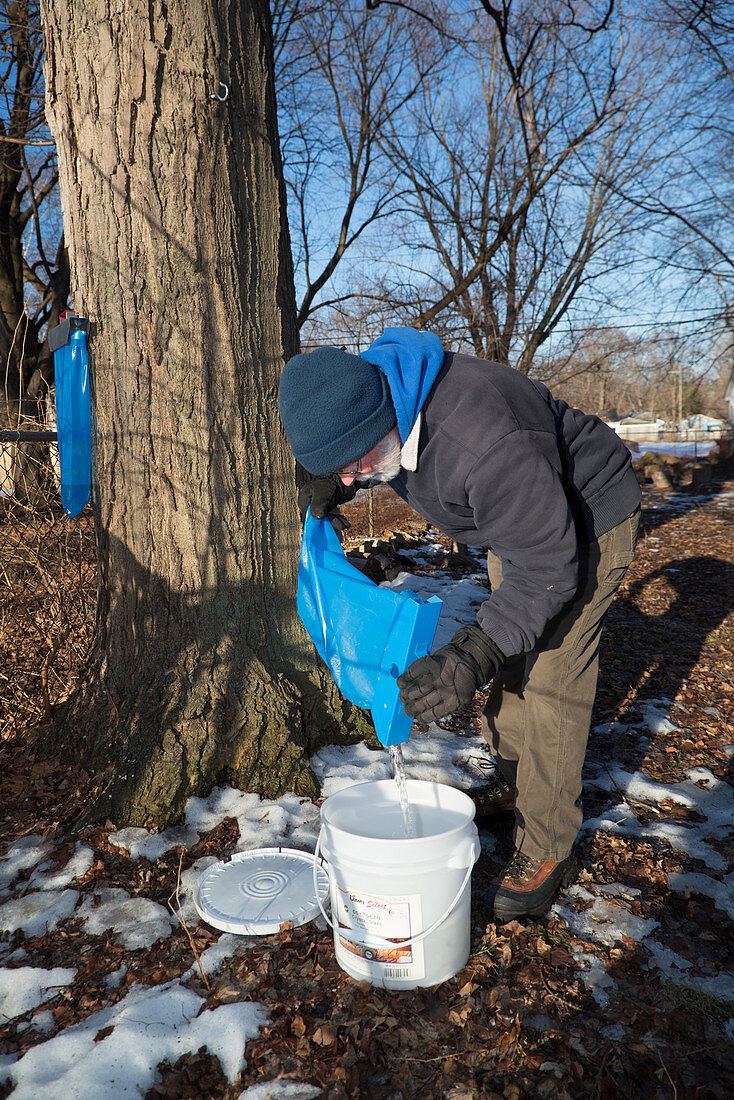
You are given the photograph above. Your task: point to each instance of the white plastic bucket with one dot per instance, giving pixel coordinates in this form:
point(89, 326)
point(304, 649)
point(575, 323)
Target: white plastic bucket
point(400, 906)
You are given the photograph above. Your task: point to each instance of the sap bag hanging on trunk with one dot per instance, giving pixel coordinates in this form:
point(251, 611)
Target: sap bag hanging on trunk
point(68, 342)
point(367, 635)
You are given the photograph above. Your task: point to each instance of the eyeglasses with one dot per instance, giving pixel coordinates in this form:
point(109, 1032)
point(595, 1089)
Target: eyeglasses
point(352, 473)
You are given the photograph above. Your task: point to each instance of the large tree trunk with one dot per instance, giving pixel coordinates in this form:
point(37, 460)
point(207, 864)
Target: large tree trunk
point(174, 216)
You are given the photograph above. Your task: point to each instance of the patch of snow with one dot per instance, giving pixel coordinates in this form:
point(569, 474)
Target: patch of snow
point(20, 856)
point(340, 766)
point(189, 879)
point(437, 756)
point(678, 836)
point(603, 921)
point(656, 718)
point(78, 865)
point(9, 956)
point(114, 979)
point(712, 800)
point(666, 959)
point(226, 946)
point(595, 918)
point(263, 823)
point(720, 891)
point(461, 598)
point(37, 913)
point(281, 1090)
point(683, 972)
point(149, 845)
point(42, 1022)
point(26, 987)
point(135, 922)
point(148, 1027)
point(593, 974)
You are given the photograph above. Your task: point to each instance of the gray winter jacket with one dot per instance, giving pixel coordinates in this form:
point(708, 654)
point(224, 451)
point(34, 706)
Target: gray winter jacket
point(502, 464)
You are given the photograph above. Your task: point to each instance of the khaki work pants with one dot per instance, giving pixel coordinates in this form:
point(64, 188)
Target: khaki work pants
point(537, 717)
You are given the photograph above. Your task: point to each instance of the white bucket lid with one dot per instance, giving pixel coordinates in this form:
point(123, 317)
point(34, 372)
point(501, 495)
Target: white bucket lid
point(254, 893)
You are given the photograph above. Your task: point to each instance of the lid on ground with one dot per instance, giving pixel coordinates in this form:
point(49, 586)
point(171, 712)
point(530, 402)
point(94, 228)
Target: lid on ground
point(255, 893)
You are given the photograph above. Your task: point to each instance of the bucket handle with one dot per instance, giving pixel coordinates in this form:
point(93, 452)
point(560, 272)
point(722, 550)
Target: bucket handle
point(320, 860)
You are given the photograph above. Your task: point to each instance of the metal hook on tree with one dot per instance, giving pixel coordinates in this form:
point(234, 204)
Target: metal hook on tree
point(222, 94)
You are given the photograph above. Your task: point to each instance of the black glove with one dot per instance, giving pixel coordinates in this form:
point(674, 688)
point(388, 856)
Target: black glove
point(324, 494)
point(434, 686)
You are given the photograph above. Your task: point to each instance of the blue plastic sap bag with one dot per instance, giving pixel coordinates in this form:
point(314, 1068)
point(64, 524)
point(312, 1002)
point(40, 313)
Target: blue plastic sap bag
point(73, 412)
point(367, 635)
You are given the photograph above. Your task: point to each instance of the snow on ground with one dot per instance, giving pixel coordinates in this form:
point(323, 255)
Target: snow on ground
point(137, 922)
point(34, 914)
point(437, 756)
point(25, 987)
point(281, 1090)
point(77, 867)
point(701, 448)
point(20, 856)
point(114, 1053)
point(461, 598)
point(142, 843)
point(262, 823)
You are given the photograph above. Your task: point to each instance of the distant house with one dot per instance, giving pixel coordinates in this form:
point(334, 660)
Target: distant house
point(638, 426)
point(729, 396)
point(705, 425)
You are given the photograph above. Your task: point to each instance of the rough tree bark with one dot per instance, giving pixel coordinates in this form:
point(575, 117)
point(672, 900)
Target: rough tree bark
point(172, 195)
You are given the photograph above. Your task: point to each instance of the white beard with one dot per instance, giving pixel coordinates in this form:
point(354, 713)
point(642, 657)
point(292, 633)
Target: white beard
point(387, 454)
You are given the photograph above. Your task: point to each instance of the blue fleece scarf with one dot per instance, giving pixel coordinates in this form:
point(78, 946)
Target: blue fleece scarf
point(410, 361)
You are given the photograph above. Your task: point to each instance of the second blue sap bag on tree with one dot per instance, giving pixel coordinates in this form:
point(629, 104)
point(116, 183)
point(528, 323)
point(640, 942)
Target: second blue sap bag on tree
point(367, 635)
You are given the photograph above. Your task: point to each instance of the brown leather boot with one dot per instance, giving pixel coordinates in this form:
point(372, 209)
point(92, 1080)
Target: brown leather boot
point(497, 795)
point(528, 887)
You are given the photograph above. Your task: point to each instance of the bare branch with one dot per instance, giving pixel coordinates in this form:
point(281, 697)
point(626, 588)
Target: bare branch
point(22, 141)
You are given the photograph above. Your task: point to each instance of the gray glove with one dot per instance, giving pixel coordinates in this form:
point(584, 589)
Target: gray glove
point(434, 686)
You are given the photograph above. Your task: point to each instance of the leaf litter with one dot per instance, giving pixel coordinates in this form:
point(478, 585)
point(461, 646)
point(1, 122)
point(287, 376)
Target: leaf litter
point(626, 989)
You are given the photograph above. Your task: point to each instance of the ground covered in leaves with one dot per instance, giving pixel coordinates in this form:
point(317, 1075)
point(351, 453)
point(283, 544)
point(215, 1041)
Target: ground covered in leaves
point(517, 1021)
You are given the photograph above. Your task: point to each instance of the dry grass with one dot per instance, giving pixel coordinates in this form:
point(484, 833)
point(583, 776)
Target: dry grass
point(48, 592)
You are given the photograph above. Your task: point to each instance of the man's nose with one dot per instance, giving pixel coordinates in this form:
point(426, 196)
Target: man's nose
point(347, 479)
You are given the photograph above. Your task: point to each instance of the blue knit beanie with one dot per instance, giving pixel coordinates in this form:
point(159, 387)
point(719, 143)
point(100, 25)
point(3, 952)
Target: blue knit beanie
point(335, 407)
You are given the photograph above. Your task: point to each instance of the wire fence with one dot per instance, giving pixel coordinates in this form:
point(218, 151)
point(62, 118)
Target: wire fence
point(48, 581)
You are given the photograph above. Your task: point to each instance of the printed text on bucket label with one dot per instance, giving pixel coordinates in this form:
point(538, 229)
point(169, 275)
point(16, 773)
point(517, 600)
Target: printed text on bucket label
point(376, 918)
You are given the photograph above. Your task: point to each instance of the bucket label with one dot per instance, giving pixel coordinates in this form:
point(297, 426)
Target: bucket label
point(375, 918)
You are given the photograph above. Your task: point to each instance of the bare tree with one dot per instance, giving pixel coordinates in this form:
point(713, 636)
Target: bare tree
point(694, 196)
point(342, 78)
point(34, 276)
point(659, 373)
point(173, 203)
point(514, 172)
